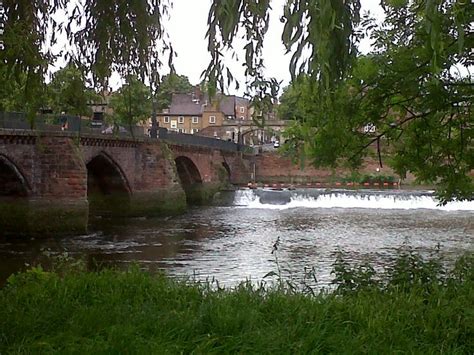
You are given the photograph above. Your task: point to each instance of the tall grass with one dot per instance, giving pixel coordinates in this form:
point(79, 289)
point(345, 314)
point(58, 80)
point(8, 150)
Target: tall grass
point(417, 306)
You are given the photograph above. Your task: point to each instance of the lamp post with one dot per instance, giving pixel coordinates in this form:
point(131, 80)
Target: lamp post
point(154, 81)
point(154, 123)
point(238, 135)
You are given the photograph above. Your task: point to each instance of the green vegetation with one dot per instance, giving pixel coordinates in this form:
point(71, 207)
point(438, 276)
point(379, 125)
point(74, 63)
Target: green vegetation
point(370, 178)
point(131, 103)
point(414, 86)
point(411, 93)
point(68, 92)
point(170, 84)
point(416, 307)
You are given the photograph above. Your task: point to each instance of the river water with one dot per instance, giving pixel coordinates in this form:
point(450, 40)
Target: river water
point(233, 240)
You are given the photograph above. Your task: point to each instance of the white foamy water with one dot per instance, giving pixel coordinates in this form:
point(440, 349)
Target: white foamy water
point(350, 199)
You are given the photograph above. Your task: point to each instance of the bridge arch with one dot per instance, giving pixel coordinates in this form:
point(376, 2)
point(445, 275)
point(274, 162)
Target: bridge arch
point(190, 179)
point(12, 182)
point(14, 192)
point(248, 134)
point(108, 189)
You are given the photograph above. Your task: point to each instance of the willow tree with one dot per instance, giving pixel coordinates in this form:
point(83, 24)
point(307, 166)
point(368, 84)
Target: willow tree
point(105, 36)
point(25, 55)
point(407, 86)
point(414, 86)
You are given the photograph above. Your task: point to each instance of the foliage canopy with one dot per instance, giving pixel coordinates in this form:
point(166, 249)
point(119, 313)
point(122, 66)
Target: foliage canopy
point(67, 92)
point(131, 103)
point(408, 86)
point(411, 87)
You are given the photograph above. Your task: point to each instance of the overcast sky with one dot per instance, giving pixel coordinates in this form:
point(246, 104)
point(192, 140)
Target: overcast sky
point(187, 28)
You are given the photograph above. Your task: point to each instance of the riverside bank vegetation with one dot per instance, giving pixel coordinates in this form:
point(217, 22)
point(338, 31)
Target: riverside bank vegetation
point(415, 305)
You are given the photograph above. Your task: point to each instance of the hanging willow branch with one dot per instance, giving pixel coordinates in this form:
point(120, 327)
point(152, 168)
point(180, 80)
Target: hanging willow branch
point(325, 29)
point(26, 53)
point(322, 28)
point(122, 36)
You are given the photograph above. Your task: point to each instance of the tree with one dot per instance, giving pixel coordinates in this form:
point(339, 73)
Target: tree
point(11, 91)
point(410, 88)
point(406, 86)
point(131, 103)
point(68, 93)
point(26, 51)
point(412, 93)
point(170, 84)
point(297, 100)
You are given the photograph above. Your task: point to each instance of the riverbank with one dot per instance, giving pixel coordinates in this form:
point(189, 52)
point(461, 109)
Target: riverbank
point(417, 307)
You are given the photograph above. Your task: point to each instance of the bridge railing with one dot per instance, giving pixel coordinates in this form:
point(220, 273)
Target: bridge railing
point(191, 139)
point(69, 123)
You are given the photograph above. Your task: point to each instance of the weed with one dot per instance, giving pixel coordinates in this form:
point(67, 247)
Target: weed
point(416, 305)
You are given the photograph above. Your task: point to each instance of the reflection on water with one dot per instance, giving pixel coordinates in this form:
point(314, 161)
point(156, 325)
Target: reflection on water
point(233, 243)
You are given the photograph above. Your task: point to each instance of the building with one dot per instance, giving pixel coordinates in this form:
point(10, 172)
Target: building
point(193, 112)
point(101, 108)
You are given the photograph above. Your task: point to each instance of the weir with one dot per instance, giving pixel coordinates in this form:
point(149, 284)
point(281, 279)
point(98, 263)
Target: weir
point(322, 198)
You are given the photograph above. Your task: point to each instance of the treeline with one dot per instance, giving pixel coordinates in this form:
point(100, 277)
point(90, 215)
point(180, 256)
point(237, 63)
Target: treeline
point(70, 92)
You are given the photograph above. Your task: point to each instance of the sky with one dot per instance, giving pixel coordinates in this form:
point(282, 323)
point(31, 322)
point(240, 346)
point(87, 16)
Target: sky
point(187, 27)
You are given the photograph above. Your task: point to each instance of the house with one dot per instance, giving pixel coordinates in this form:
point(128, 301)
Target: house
point(100, 108)
point(193, 112)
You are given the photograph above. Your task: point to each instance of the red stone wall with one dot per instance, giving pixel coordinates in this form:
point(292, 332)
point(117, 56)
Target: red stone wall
point(273, 168)
point(146, 166)
point(59, 171)
point(52, 166)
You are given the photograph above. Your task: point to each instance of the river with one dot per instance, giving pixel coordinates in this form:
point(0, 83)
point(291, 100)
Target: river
point(233, 240)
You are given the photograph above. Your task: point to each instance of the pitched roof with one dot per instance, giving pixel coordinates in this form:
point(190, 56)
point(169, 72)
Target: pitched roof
point(183, 104)
point(187, 105)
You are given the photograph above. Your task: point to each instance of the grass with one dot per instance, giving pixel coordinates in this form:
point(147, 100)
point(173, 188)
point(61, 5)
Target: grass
point(416, 307)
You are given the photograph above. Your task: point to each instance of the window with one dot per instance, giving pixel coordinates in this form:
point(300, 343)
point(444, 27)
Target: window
point(194, 130)
point(181, 130)
point(180, 119)
point(166, 119)
point(242, 109)
point(212, 119)
point(195, 119)
point(174, 124)
point(242, 117)
point(369, 128)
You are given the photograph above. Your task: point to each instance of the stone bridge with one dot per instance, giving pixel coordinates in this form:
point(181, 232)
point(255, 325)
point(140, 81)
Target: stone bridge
point(49, 182)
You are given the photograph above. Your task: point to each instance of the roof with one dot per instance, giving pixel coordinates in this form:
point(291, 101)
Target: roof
point(183, 104)
point(187, 105)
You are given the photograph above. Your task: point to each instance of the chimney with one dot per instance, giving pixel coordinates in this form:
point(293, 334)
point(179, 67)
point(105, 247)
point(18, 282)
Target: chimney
point(197, 92)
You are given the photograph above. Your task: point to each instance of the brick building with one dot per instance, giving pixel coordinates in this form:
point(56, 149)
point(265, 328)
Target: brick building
point(193, 112)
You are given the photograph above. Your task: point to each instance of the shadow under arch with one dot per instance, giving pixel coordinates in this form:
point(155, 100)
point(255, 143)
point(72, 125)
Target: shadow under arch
point(191, 180)
point(14, 194)
point(108, 190)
